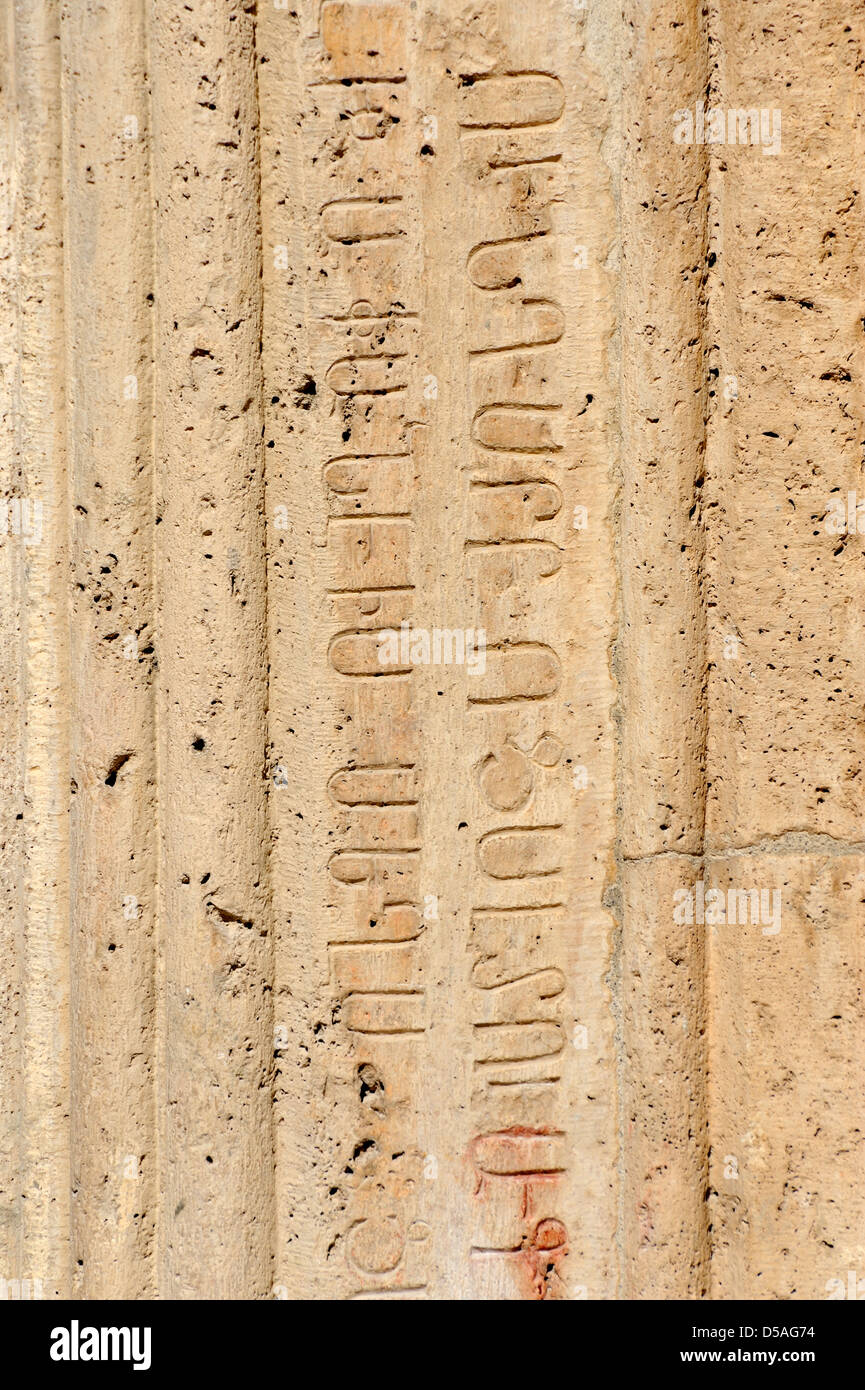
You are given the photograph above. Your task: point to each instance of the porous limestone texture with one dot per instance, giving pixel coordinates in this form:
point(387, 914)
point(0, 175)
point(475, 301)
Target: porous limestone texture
point(431, 667)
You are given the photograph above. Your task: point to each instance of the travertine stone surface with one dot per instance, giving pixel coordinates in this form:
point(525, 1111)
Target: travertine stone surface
point(112, 811)
point(431, 845)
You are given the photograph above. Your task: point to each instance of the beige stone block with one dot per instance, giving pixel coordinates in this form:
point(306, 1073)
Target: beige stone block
point(429, 545)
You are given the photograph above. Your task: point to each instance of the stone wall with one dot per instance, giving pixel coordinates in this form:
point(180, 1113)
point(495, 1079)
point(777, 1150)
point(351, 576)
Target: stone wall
point(431, 732)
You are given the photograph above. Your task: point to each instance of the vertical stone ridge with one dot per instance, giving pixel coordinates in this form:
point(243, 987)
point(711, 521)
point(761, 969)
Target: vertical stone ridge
point(158, 1042)
point(107, 245)
point(269, 981)
point(36, 520)
point(295, 733)
point(717, 442)
point(11, 687)
point(786, 752)
point(662, 656)
point(216, 947)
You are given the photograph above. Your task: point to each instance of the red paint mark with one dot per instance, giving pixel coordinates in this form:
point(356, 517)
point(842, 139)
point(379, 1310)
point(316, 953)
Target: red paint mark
point(523, 1132)
point(510, 1137)
point(544, 1253)
point(543, 1244)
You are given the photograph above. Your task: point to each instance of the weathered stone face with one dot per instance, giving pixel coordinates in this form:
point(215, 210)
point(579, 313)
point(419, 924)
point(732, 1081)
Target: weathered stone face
point(431, 651)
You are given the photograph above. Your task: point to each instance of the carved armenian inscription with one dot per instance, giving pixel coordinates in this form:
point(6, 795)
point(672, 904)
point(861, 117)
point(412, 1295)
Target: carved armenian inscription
point(368, 301)
point(367, 298)
point(510, 138)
